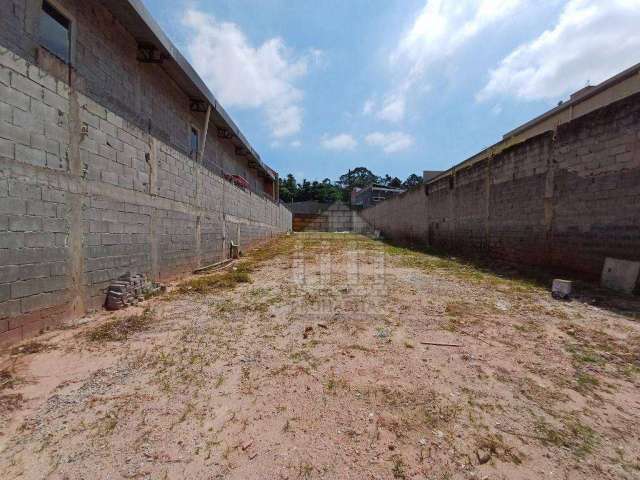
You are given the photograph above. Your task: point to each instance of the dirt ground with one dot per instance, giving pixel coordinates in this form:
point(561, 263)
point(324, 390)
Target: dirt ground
point(311, 359)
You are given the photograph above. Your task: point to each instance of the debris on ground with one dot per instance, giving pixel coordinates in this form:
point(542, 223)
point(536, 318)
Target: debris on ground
point(307, 331)
point(561, 289)
point(441, 344)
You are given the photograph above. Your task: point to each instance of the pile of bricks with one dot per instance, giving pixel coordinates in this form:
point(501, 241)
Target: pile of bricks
point(129, 290)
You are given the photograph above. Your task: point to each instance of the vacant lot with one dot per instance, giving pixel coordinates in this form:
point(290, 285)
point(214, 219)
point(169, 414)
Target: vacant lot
point(336, 357)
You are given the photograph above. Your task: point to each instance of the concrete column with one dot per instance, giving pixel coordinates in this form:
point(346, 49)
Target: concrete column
point(155, 242)
point(198, 234)
point(549, 191)
point(427, 214)
point(74, 205)
point(487, 205)
point(452, 211)
point(152, 160)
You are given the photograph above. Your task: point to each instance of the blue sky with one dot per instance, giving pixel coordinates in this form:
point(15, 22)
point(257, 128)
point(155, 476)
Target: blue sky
point(322, 86)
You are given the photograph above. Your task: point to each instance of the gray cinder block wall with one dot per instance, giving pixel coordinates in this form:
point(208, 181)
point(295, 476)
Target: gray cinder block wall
point(95, 180)
point(566, 199)
point(336, 217)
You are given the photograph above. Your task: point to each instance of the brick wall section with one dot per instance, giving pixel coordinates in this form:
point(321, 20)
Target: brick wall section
point(564, 199)
point(79, 209)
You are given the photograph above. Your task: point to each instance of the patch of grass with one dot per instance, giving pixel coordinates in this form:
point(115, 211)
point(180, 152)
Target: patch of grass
point(258, 292)
point(335, 383)
point(631, 371)
point(7, 380)
point(586, 383)
point(398, 467)
point(355, 346)
point(496, 446)
point(107, 424)
point(471, 271)
point(30, 348)
point(573, 435)
point(529, 326)
point(584, 355)
point(545, 397)
point(121, 329)
point(629, 466)
point(186, 412)
point(303, 356)
point(305, 470)
point(225, 280)
point(10, 402)
point(438, 411)
point(593, 347)
point(226, 305)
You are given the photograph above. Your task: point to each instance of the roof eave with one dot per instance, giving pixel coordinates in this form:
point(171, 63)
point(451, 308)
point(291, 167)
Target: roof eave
point(160, 40)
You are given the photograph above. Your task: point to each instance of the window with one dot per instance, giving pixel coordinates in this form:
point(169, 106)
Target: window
point(195, 143)
point(55, 32)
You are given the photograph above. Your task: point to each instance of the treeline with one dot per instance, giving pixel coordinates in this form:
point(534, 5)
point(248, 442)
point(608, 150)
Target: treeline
point(328, 191)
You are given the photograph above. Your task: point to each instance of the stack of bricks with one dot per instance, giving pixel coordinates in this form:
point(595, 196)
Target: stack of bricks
point(129, 290)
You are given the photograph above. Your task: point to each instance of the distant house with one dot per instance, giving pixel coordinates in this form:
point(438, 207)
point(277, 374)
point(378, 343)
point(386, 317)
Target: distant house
point(428, 175)
point(373, 194)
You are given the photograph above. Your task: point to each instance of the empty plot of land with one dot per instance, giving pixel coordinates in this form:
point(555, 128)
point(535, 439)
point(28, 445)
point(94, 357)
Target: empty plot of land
point(338, 357)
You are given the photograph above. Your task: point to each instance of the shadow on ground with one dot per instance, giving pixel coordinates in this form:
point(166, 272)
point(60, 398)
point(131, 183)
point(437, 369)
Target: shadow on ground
point(585, 290)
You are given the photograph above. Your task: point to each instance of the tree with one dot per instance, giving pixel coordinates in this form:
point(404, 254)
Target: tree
point(358, 177)
point(288, 188)
point(395, 183)
point(327, 191)
point(412, 180)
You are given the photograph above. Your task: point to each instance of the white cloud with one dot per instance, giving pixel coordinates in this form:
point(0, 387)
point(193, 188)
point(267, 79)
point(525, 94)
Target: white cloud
point(441, 28)
point(369, 106)
point(245, 76)
point(296, 144)
point(390, 142)
point(393, 108)
point(592, 40)
point(342, 141)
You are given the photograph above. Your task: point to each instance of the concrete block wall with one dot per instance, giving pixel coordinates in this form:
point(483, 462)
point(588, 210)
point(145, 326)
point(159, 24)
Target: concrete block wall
point(106, 69)
point(337, 217)
point(86, 195)
point(564, 199)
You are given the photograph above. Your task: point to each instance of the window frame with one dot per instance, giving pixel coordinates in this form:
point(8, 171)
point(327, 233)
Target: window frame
point(194, 155)
point(64, 13)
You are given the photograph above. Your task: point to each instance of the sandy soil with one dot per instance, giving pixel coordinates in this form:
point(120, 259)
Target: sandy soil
point(319, 367)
